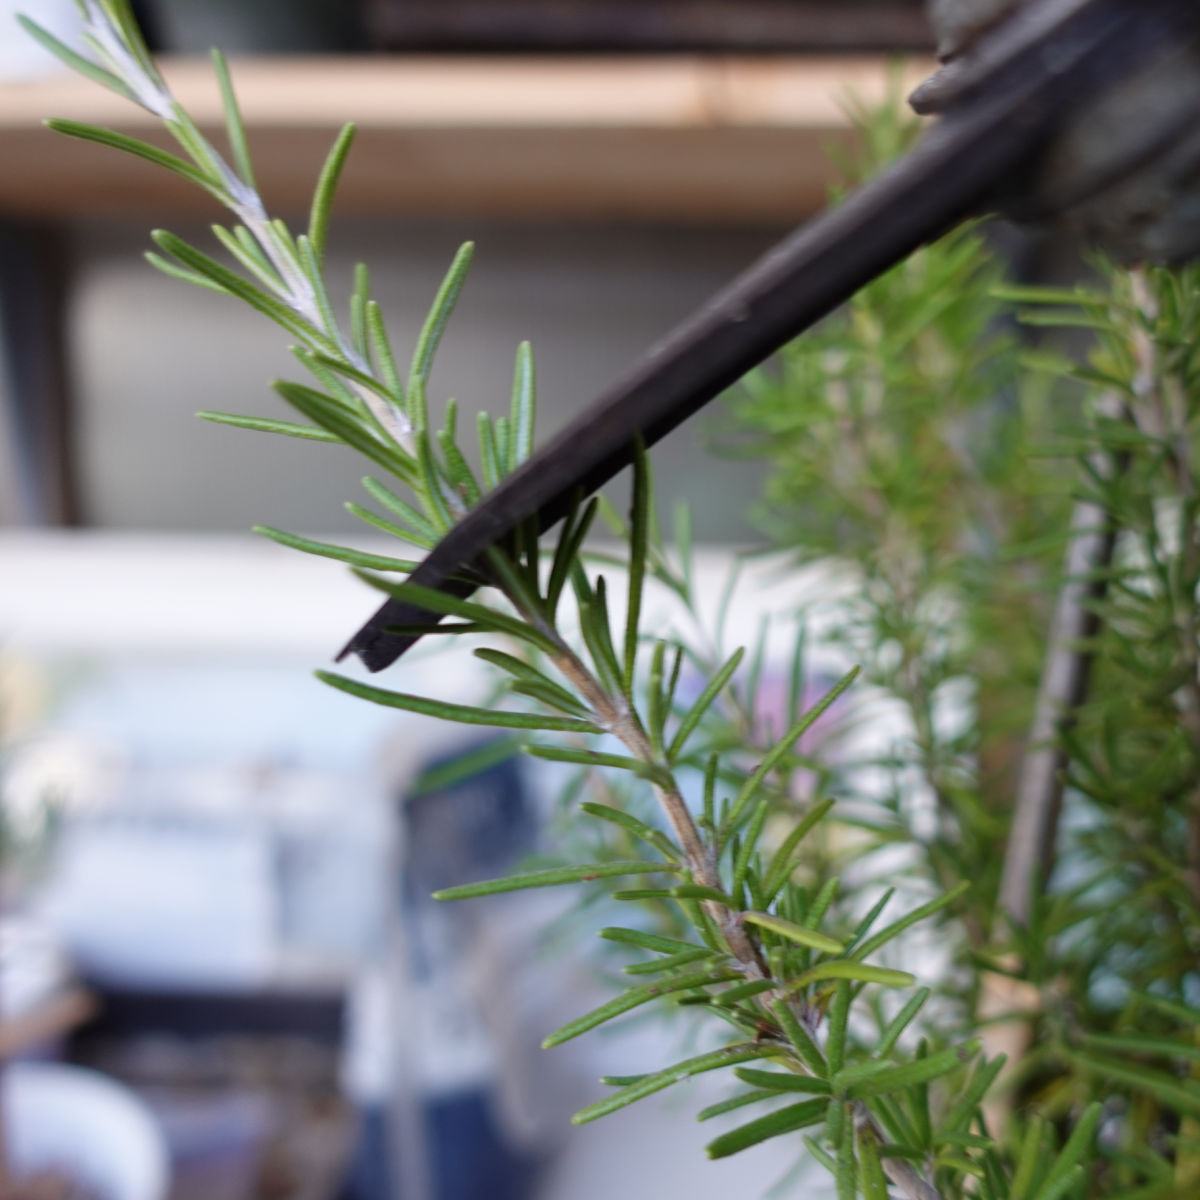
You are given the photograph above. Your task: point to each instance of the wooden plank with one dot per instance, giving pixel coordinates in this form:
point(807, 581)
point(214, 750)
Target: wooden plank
point(727, 26)
point(689, 138)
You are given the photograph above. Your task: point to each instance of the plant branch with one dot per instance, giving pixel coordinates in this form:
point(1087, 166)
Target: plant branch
point(615, 714)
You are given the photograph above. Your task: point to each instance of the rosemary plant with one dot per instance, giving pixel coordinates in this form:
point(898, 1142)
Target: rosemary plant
point(726, 926)
point(1023, 525)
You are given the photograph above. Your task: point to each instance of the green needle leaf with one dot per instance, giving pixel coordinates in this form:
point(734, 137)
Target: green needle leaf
point(426, 534)
point(734, 1103)
point(694, 715)
point(524, 398)
point(781, 864)
point(1185, 1097)
point(784, 1120)
point(780, 1081)
point(670, 962)
point(873, 1180)
point(800, 1039)
point(249, 257)
point(358, 318)
point(322, 201)
point(1078, 1144)
point(521, 670)
point(639, 528)
point(631, 824)
point(382, 524)
point(348, 371)
point(631, 999)
point(900, 1022)
point(439, 314)
point(434, 601)
point(918, 914)
point(594, 758)
point(461, 476)
point(234, 125)
point(182, 273)
point(357, 558)
point(784, 746)
point(647, 1085)
point(233, 283)
point(332, 417)
point(381, 350)
point(848, 969)
point(493, 472)
point(745, 854)
point(839, 1013)
point(570, 541)
point(140, 149)
point(921, 1070)
point(697, 891)
point(648, 941)
point(1151, 1047)
point(310, 263)
point(847, 1188)
point(463, 714)
point(794, 933)
point(551, 878)
point(962, 1113)
point(265, 425)
point(77, 62)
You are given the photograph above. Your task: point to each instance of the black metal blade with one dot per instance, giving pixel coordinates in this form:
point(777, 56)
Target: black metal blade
point(1041, 64)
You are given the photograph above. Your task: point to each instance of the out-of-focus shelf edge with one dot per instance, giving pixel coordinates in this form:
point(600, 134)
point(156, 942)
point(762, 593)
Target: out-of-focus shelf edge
point(689, 138)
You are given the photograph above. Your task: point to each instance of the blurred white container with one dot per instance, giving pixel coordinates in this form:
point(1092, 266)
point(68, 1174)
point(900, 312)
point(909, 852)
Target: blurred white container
point(20, 56)
point(80, 1123)
point(162, 903)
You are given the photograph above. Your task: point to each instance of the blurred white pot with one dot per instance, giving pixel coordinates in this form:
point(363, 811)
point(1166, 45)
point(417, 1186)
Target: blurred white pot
point(80, 1123)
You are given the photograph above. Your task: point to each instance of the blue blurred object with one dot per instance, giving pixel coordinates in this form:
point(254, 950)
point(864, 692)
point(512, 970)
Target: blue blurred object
point(475, 826)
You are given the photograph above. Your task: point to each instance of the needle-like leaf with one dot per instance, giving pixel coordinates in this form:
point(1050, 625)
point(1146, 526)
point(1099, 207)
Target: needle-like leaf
point(639, 532)
point(783, 747)
point(77, 62)
point(463, 714)
point(734, 1103)
point(554, 877)
point(704, 701)
point(918, 914)
point(784, 1081)
point(793, 932)
point(633, 998)
point(175, 271)
point(647, 1085)
point(439, 313)
point(921, 1070)
point(594, 758)
point(783, 1120)
point(781, 863)
point(235, 127)
point(631, 824)
point(326, 189)
point(357, 558)
point(266, 425)
point(140, 149)
point(434, 601)
point(900, 1022)
point(524, 403)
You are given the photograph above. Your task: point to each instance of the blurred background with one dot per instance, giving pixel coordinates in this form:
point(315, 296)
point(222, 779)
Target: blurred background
point(219, 972)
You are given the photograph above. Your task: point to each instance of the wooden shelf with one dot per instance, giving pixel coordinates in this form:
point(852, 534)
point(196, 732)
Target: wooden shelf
point(721, 139)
